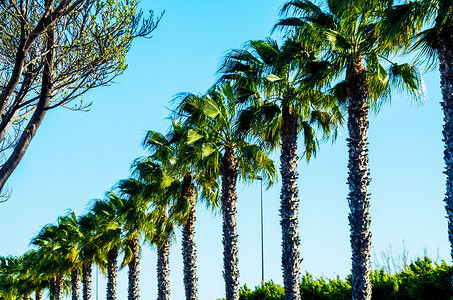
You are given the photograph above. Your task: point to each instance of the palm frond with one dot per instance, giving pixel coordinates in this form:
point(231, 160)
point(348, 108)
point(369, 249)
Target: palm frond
point(399, 25)
point(426, 45)
point(407, 78)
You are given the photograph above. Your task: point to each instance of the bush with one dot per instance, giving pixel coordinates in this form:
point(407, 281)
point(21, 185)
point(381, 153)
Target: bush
point(420, 280)
point(320, 289)
point(270, 291)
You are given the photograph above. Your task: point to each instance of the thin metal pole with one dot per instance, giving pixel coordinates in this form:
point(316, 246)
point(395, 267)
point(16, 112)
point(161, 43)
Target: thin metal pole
point(260, 178)
point(97, 283)
point(262, 235)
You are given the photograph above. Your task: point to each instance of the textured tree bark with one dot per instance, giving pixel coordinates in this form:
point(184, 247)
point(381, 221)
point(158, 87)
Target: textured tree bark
point(86, 281)
point(48, 18)
point(358, 180)
point(289, 209)
point(112, 273)
point(230, 237)
point(75, 284)
point(188, 243)
point(163, 271)
point(38, 295)
point(59, 288)
point(133, 288)
point(44, 99)
point(445, 44)
point(10, 115)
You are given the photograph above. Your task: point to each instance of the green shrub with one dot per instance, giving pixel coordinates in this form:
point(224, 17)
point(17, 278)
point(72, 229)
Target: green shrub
point(320, 289)
point(270, 291)
point(420, 280)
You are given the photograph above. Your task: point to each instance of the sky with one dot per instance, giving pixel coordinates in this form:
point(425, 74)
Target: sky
point(78, 156)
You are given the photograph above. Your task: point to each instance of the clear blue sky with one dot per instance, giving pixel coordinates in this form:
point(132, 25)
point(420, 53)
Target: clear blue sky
point(76, 157)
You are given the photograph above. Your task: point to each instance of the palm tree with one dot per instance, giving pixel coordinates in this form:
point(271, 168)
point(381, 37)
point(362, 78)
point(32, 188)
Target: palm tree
point(186, 166)
point(403, 24)
point(36, 281)
point(228, 154)
point(59, 254)
point(9, 282)
point(355, 51)
point(155, 185)
point(276, 82)
point(47, 242)
point(104, 224)
point(71, 237)
point(90, 253)
point(132, 212)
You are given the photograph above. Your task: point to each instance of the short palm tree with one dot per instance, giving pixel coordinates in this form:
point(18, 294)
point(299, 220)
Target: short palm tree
point(38, 281)
point(27, 279)
point(12, 278)
point(227, 153)
point(104, 224)
point(59, 251)
point(90, 253)
point(355, 51)
point(46, 241)
point(132, 211)
point(274, 81)
point(70, 237)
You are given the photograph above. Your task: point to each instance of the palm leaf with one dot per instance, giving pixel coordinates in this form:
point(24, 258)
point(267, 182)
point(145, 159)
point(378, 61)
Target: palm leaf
point(405, 77)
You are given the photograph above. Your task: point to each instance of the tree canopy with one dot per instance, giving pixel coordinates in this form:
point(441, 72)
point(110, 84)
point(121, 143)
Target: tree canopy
point(53, 52)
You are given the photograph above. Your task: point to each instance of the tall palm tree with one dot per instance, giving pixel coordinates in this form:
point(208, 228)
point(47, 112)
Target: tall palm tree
point(228, 154)
point(426, 27)
point(354, 50)
point(184, 164)
point(154, 183)
point(276, 82)
point(137, 220)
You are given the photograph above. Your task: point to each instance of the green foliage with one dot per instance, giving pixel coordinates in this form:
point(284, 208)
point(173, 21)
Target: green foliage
point(322, 289)
point(420, 280)
point(269, 291)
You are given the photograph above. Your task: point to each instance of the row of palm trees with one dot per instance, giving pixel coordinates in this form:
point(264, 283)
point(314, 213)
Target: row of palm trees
point(333, 59)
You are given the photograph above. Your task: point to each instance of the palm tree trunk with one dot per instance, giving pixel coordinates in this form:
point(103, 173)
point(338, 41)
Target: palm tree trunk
point(112, 273)
point(358, 180)
point(163, 271)
point(133, 288)
point(289, 208)
point(188, 242)
point(75, 274)
point(86, 274)
point(52, 288)
point(59, 288)
point(445, 44)
point(230, 237)
point(38, 294)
